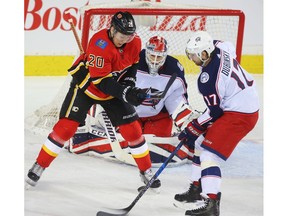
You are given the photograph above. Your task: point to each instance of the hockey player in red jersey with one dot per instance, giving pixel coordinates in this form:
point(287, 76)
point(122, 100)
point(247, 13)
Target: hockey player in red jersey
point(104, 75)
point(230, 94)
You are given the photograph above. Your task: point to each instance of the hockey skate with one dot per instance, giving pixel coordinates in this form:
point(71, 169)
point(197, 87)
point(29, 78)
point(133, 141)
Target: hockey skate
point(34, 174)
point(145, 178)
point(192, 195)
point(210, 207)
point(189, 199)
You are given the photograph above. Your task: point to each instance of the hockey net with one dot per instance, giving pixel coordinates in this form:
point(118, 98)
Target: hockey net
point(174, 22)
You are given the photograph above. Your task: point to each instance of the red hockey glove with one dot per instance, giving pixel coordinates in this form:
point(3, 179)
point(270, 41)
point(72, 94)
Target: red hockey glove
point(191, 133)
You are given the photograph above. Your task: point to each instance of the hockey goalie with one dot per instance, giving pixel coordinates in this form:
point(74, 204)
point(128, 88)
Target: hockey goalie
point(161, 119)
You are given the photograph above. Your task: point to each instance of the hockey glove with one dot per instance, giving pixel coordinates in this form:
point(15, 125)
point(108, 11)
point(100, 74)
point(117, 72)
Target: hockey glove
point(129, 81)
point(191, 133)
point(129, 78)
point(134, 95)
point(80, 73)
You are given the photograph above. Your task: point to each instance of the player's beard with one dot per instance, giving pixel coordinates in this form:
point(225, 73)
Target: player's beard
point(200, 63)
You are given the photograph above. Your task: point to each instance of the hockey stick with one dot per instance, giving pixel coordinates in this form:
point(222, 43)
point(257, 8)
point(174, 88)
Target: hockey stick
point(110, 130)
point(168, 85)
point(74, 32)
point(120, 154)
point(125, 211)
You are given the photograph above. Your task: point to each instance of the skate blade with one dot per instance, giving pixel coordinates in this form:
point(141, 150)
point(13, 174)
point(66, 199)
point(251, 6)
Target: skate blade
point(188, 206)
point(29, 184)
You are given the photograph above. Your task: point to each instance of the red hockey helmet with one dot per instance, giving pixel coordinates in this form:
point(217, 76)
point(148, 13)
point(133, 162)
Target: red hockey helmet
point(156, 53)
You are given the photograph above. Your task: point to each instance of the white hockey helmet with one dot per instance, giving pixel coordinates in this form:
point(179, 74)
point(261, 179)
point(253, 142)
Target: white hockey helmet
point(199, 42)
point(156, 53)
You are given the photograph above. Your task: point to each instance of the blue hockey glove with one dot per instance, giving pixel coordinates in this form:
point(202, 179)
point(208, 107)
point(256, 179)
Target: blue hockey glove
point(192, 131)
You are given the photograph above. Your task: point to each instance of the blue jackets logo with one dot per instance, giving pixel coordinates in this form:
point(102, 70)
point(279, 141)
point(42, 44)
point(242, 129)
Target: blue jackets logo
point(204, 77)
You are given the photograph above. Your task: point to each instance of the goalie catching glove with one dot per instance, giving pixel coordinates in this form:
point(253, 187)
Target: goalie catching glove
point(134, 95)
point(191, 133)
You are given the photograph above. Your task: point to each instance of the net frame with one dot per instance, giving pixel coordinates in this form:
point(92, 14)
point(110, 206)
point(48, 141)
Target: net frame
point(148, 9)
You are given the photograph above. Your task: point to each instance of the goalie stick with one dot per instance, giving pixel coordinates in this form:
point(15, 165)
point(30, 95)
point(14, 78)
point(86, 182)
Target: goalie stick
point(125, 211)
point(119, 153)
point(168, 85)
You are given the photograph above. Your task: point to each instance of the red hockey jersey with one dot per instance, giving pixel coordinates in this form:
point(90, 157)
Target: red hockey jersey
point(104, 59)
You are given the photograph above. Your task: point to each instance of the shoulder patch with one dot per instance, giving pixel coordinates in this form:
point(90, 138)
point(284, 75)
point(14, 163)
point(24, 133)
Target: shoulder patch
point(204, 77)
point(101, 43)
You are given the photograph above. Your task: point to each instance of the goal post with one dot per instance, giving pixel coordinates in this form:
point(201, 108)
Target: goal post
point(173, 22)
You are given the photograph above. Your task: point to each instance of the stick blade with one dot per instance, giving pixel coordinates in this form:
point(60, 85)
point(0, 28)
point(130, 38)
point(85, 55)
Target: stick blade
point(113, 212)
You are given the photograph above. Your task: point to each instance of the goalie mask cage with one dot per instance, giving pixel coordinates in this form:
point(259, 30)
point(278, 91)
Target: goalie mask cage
point(173, 22)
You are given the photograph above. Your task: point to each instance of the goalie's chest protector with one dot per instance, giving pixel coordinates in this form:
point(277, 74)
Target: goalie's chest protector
point(157, 84)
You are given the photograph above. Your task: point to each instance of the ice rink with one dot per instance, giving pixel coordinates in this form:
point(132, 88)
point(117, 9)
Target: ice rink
point(77, 185)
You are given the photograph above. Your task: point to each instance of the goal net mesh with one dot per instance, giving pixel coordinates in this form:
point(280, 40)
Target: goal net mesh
point(173, 22)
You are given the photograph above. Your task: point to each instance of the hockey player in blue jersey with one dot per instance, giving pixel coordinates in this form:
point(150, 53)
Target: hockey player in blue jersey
point(230, 94)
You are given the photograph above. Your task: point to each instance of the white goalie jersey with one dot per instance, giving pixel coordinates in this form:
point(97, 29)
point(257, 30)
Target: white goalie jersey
point(175, 95)
point(175, 101)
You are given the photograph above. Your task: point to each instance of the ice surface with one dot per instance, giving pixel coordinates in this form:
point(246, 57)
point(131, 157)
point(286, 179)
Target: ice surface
point(76, 185)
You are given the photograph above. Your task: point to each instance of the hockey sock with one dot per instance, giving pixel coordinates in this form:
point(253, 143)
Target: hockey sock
point(63, 130)
point(50, 150)
point(196, 183)
point(212, 196)
point(132, 133)
point(141, 156)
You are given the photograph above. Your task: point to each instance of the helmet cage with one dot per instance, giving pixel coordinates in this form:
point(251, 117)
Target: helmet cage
point(156, 54)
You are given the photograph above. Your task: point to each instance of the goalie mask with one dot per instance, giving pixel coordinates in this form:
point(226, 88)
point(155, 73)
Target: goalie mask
point(199, 42)
point(156, 53)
